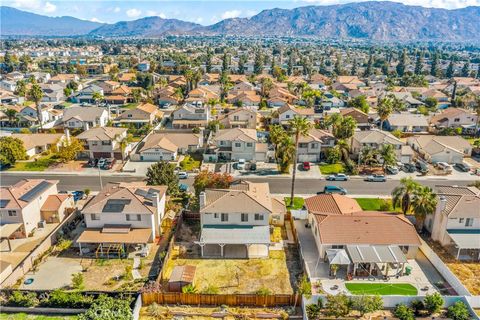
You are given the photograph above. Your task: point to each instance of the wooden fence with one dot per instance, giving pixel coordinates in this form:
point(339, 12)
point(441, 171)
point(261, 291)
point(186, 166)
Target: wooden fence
point(219, 299)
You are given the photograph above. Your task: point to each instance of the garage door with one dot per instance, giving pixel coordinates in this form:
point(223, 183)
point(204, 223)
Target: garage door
point(151, 156)
point(98, 155)
point(307, 157)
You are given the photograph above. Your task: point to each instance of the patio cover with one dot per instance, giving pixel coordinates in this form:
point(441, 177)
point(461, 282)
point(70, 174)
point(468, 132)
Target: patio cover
point(465, 239)
point(6, 230)
point(338, 256)
point(234, 234)
point(376, 254)
point(133, 236)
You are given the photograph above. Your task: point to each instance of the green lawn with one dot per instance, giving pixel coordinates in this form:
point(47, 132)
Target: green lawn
point(297, 203)
point(374, 204)
point(188, 163)
point(24, 316)
point(41, 164)
point(132, 105)
point(331, 168)
point(383, 289)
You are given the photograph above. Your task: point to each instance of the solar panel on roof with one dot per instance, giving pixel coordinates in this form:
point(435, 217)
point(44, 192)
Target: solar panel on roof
point(141, 192)
point(35, 191)
point(115, 205)
point(4, 203)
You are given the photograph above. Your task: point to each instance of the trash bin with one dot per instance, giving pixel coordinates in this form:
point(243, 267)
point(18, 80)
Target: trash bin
point(408, 270)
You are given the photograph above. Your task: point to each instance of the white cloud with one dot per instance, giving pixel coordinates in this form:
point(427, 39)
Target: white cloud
point(27, 4)
point(199, 20)
point(250, 13)
point(152, 13)
point(133, 13)
point(116, 9)
point(96, 20)
point(231, 14)
point(49, 7)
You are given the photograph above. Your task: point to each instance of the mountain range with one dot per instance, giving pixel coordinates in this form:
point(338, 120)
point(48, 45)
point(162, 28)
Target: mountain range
point(373, 20)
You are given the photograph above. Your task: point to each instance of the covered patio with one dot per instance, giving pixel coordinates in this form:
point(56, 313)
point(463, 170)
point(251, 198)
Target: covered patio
point(467, 244)
point(9, 231)
point(238, 242)
point(376, 260)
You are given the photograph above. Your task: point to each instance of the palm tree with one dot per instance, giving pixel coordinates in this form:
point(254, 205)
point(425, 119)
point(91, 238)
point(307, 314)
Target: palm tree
point(388, 155)
point(123, 143)
point(368, 156)
point(266, 86)
point(178, 93)
point(11, 115)
point(404, 194)
point(476, 108)
point(97, 97)
point(299, 126)
point(384, 110)
point(188, 74)
point(285, 151)
point(345, 128)
point(424, 203)
point(344, 149)
point(36, 94)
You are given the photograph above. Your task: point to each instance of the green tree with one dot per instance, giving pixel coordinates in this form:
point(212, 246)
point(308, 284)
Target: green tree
point(108, 308)
point(359, 103)
point(11, 115)
point(21, 88)
point(304, 288)
point(338, 68)
point(369, 68)
point(258, 62)
point(368, 156)
point(465, 72)
point(162, 173)
point(299, 127)
point(11, 150)
point(424, 203)
point(211, 180)
point(189, 288)
point(338, 305)
point(388, 155)
point(434, 65)
point(266, 84)
point(36, 94)
point(97, 97)
point(69, 149)
point(458, 311)
point(433, 302)
point(419, 64)
point(402, 64)
point(431, 103)
point(450, 69)
point(403, 194)
point(403, 312)
point(367, 304)
point(345, 128)
point(310, 96)
point(384, 110)
point(241, 64)
point(78, 281)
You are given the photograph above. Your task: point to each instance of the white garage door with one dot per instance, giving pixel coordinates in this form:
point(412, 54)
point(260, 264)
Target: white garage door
point(307, 157)
point(155, 156)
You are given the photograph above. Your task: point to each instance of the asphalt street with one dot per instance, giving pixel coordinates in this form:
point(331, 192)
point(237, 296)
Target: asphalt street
point(278, 185)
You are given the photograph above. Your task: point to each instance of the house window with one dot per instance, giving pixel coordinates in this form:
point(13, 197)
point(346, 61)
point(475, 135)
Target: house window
point(129, 115)
point(249, 144)
point(224, 217)
point(93, 216)
point(337, 246)
point(461, 220)
point(469, 222)
point(215, 215)
point(238, 144)
point(236, 118)
point(134, 217)
point(244, 217)
point(106, 143)
point(94, 143)
point(303, 145)
point(258, 216)
point(222, 143)
point(456, 120)
point(313, 145)
point(12, 213)
point(287, 116)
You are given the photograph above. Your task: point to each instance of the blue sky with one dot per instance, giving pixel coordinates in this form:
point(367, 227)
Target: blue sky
point(200, 11)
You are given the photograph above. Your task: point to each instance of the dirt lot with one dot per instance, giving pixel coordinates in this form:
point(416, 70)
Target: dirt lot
point(467, 272)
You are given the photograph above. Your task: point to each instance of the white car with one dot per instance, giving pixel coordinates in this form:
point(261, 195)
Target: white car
point(182, 175)
point(101, 162)
point(241, 164)
point(444, 167)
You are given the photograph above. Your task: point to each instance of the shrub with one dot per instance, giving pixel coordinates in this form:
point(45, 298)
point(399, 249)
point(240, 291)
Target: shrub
point(313, 310)
point(26, 299)
point(155, 311)
point(403, 312)
point(458, 311)
point(78, 282)
point(73, 300)
point(367, 304)
point(63, 244)
point(417, 306)
point(338, 306)
point(211, 289)
point(189, 288)
point(128, 273)
point(263, 291)
point(433, 302)
point(107, 308)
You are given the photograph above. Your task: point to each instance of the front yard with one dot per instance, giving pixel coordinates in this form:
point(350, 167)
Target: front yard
point(229, 276)
point(189, 163)
point(376, 204)
point(39, 164)
point(331, 168)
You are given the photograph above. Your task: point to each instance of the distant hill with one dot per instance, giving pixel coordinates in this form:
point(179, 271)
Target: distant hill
point(374, 20)
point(362, 20)
point(149, 26)
point(18, 22)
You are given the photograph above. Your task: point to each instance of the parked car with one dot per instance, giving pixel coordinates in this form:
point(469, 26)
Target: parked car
point(252, 166)
point(306, 166)
point(337, 177)
point(93, 163)
point(182, 175)
point(421, 167)
point(101, 162)
point(78, 195)
point(108, 163)
point(241, 164)
point(409, 167)
point(376, 178)
point(392, 169)
point(333, 189)
point(465, 167)
point(183, 187)
point(444, 167)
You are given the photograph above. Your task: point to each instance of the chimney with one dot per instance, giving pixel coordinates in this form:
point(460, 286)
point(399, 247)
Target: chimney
point(217, 128)
point(155, 200)
point(202, 199)
point(86, 126)
point(443, 203)
point(67, 135)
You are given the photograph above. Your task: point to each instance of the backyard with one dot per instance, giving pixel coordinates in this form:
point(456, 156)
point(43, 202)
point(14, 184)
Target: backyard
point(297, 203)
point(383, 289)
point(331, 168)
point(194, 312)
point(376, 204)
point(230, 276)
point(24, 316)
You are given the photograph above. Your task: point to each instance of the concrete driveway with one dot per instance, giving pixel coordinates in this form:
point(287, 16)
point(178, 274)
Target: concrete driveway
point(53, 274)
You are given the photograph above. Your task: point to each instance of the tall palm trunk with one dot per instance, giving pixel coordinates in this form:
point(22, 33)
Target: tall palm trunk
point(294, 172)
point(39, 115)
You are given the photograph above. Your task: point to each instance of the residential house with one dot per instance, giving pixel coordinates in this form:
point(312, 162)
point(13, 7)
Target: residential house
point(201, 95)
point(375, 139)
point(166, 96)
point(236, 143)
point(122, 216)
point(453, 118)
point(243, 117)
point(347, 83)
point(143, 114)
point(52, 92)
point(450, 149)
point(21, 206)
point(64, 78)
point(406, 98)
point(368, 240)
point(235, 223)
point(8, 85)
point(167, 145)
point(312, 147)
point(245, 98)
point(121, 95)
point(406, 122)
point(126, 77)
point(36, 143)
point(143, 66)
point(188, 116)
point(31, 111)
point(443, 101)
point(359, 116)
point(84, 117)
point(86, 94)
point(104, 142)
point(288, 112)
point(456, 221)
